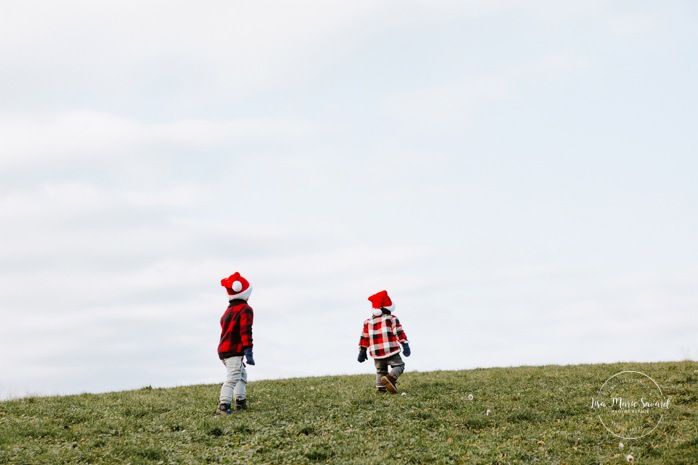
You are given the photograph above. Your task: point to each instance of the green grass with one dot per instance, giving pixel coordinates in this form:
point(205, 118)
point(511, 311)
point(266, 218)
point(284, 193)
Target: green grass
point(537, 415)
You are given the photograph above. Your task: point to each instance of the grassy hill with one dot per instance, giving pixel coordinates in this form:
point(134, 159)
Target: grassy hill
point(516, 415)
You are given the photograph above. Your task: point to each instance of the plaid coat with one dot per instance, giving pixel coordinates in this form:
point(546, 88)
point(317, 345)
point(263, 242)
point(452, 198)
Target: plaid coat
point(236, 329)
point(382, 335)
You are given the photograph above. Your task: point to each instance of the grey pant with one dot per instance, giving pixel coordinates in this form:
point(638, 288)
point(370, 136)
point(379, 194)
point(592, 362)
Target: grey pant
point(235, 381)
point(382, 364)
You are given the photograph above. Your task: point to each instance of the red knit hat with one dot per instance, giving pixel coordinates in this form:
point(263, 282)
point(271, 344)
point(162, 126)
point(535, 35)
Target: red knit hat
point(237, 286)
point(381, 300)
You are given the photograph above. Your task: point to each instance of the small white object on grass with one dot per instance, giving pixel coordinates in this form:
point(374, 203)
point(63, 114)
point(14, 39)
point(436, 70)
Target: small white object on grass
point(487, 412)
point(403, 394)
point(629, 458)
point(620, 445)
point(470, 397)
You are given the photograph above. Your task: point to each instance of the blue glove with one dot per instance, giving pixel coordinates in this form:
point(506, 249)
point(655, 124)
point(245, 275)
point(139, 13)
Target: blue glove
point(248, 356)
point(406, 350)
point(362, 355)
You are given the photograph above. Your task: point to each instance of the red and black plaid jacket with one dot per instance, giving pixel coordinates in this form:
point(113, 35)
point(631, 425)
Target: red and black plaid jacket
point(382, 335)
point(236, 329)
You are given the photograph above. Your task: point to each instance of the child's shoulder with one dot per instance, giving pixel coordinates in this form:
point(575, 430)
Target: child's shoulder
point(239, 305)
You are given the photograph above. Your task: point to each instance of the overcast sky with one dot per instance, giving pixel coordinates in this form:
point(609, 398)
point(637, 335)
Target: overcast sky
point(519, 175)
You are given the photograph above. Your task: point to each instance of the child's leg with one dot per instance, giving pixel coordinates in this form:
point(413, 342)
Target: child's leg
point(381, 370)
point(397, 365)
point(241, 386)
point(234, 369)
point(389, 380)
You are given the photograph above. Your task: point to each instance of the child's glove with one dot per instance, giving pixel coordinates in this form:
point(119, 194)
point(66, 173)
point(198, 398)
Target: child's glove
point(248, 356)
point(362, 355)
point(406, 350)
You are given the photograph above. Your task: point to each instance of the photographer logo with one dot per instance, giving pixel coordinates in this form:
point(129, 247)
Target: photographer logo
point(630, 404)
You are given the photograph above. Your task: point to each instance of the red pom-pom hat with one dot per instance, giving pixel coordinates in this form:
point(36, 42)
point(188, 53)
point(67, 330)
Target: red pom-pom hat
point(237, 286)
point(381, 300)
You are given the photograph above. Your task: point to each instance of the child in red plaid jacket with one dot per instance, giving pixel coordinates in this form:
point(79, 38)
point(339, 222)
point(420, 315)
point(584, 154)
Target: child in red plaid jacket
point(382, 336)
point(235, 342)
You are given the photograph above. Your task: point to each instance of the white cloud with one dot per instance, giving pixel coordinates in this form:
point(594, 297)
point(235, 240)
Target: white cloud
point(629, 26)
point(555, 11)
point(147, 150)
point(452, 104)
point(143, 242)
point(85, 134)
point(218, 52)
point(180, 57)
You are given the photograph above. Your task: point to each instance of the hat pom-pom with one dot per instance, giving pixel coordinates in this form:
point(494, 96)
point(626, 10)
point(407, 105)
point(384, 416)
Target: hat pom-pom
point(237, 286)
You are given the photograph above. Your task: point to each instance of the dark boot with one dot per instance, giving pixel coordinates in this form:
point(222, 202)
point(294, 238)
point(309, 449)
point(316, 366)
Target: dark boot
point(389, 381)
point(240, 404)
point(223, 409)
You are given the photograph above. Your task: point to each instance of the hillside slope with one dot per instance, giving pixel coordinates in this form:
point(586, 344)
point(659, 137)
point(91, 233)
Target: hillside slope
point(490, 416)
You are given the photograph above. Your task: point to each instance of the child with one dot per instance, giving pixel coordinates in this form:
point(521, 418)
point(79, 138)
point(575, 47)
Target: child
point(236, 341)
point(383, 334)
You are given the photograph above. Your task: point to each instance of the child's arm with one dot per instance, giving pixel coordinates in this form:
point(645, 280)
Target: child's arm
point(363, 343)
point(246, 319)
point(402, 338)
point(399, 332)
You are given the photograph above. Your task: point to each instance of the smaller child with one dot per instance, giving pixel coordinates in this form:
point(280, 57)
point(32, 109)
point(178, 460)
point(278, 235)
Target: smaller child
point(382, 335)
point(235, 342)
